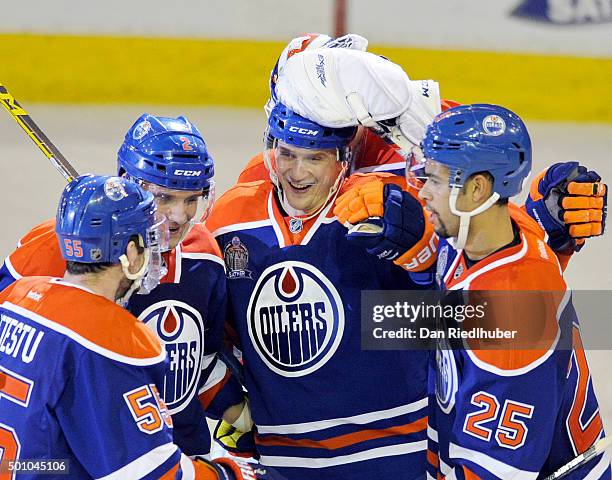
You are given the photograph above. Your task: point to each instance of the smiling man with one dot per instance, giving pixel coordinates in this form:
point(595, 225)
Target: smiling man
point(294, 285)
point(168, 158)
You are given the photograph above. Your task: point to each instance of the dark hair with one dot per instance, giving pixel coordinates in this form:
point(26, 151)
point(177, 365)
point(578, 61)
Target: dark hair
point(80, 268)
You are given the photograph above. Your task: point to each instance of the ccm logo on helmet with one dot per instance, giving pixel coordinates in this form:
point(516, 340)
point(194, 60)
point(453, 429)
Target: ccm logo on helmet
point(188, 173)
point(303, 131)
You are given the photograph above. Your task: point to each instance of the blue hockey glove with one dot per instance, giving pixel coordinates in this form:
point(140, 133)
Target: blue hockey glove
point(569, 203)
point(400, 227)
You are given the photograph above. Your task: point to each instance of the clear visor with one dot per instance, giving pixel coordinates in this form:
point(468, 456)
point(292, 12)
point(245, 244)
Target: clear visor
point(281, 155)
point(190, 206)
point(415, 169)
point(205, 203)
point(158, 238)
point(269, 106)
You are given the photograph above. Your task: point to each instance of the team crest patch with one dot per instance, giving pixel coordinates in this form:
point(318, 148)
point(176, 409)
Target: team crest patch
point(141, 130)
point(236, 258)
point(441, 265)
point(446, 376)
point(180, 328)
point(494, 125)
point(295, 318)
point(114, 189)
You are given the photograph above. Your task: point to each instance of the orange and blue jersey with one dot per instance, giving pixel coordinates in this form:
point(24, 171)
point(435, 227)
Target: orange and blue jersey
point(186, 312)
point(80, 380)
point(323, 407)
point(520, 407)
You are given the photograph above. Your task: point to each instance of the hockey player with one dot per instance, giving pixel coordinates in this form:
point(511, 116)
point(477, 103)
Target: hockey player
point(79, 375)
point(370, 152)
point(294, 286)
point(364, 89)
point(505, 409)
point(169, 158)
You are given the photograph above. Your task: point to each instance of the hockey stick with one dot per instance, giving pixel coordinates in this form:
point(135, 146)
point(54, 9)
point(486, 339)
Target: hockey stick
point(36, 134)
point(598, 447)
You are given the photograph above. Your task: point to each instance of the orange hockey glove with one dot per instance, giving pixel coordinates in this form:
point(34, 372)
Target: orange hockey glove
point(569, 203)
point(390, 224)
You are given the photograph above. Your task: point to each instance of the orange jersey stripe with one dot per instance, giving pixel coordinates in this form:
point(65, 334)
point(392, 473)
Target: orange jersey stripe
point(14, 387)
point(469, 475)
point(433, 459)
point(208, 396)
point(593, 429)
point(102, 322)
point(346, 440)
point(170, 474)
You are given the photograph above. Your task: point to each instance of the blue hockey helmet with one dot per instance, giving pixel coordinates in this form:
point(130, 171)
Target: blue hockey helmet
point(97, 215)
point(481, 138)
point(287, 126)
point(165, 151)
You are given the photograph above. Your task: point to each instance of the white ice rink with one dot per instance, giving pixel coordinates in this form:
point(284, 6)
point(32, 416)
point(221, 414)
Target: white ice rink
point(89, 137)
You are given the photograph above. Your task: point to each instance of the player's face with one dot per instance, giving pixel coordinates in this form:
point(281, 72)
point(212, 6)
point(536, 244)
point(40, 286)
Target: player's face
point(306, 176)
point(178, 206)
point(435, 193)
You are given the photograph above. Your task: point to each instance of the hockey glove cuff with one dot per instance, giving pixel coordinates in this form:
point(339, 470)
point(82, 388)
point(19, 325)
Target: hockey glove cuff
point(237, 442)
point(228, 469)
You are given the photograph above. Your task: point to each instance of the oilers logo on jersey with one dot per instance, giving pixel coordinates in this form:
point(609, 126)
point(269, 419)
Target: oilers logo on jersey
point(446, 376)
point(441, 264)
point(179, 326)
point(295, 318)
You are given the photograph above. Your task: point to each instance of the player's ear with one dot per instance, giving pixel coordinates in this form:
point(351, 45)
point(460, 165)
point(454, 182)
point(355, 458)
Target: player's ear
point(135, 255)
point(479, 188)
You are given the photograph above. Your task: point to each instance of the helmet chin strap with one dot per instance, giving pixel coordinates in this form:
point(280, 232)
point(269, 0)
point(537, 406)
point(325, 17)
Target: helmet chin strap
point(135, 277)
point(464, 217)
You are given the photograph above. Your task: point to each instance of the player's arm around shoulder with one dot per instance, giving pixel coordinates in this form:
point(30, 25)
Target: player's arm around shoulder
point(386, 217)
